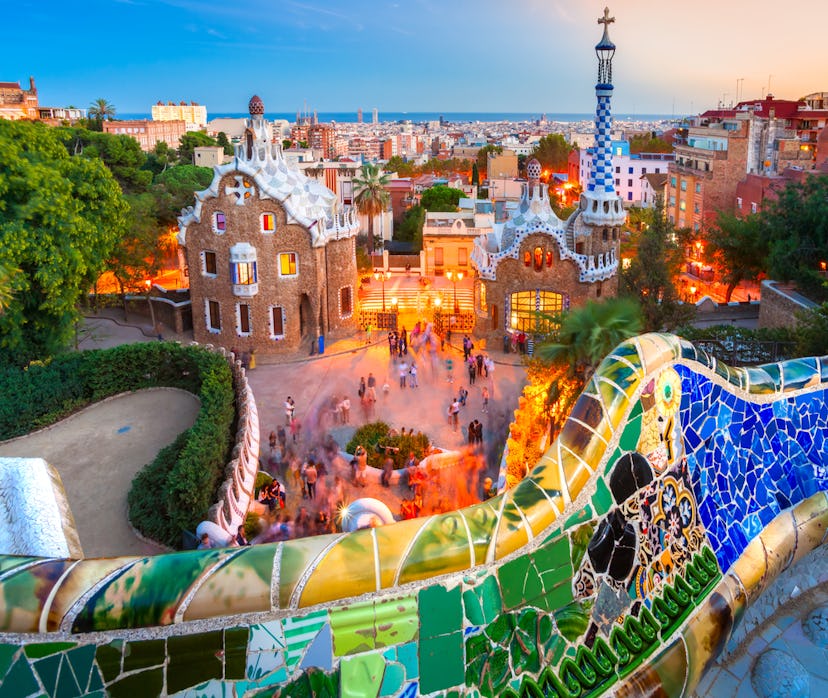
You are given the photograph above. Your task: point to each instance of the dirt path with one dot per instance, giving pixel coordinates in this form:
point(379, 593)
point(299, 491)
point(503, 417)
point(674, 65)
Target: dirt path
point(98, 453)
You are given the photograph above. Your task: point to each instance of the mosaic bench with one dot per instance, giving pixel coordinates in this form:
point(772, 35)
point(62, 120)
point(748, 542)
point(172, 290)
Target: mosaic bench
point(676, 492)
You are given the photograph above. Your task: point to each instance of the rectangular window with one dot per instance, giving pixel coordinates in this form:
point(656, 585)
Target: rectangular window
point(438, 256)
point(221, 222)
point(629, 170)
point(462, 257)
point(698, 187)
point(244, 319)
point(617, 170)
point(617, 182)
point(277, 322)
point(287, 264)
point(753, 207)
point(210, 266)
point(629, 196)
point(684, 185)
point(268, 223)
point(629, 182)
point(682, 205)
point(243, 273)
point(213, 316)
point(658, 170)
point(673, 182)
point(346, 303)
point(695, 208)
point(738, 202)
point(644, 170)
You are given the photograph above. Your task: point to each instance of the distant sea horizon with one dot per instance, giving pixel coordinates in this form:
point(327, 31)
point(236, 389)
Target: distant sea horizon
point(423, 116)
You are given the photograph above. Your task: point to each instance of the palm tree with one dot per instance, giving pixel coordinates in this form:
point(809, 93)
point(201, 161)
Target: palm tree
point(584, 337)
point(371, 196)
point(100, 110)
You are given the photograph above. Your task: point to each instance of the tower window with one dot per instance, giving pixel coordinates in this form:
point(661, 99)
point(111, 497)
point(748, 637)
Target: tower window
point(527, 258)
point(538, 255)
point(243, 319)
point(549, 258)
point(346, 303)
point(243, 273)
point(219, 223)
point(277, 322)
point(605, 235)
point(268, 223)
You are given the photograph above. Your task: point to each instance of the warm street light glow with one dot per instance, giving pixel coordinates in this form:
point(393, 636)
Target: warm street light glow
point(383, 276)
point(454, 277)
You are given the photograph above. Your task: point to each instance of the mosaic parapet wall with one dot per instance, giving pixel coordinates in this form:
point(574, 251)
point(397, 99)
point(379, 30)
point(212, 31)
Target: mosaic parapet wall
point(677, 490)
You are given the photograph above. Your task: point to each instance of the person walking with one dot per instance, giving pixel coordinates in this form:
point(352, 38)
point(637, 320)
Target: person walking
point(403, 369)
point(454, 411)
point(472, 371)
point(311, 476)
point(387, 470)
point(290, 409)
point(485, 395)
point(346, 409)
point(412, 376)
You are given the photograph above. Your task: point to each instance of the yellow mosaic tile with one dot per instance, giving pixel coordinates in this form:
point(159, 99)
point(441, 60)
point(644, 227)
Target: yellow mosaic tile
point(657, 350)
point(297, 556)
point(811, 521)
point(511, 533)
point(751, 567)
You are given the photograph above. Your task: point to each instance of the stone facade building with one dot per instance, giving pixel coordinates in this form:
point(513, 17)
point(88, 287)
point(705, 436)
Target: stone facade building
point(18, 103)
point(148, 133)
point(534, 262)
point(271, 253)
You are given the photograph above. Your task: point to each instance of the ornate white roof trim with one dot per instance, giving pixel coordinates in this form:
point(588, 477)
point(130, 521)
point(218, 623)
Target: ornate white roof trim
point(306, 201)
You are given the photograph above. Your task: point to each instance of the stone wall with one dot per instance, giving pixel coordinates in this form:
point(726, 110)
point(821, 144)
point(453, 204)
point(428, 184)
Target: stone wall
point(780, 303)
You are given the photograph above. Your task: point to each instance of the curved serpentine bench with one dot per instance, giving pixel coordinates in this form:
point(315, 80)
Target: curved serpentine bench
point(676, 491)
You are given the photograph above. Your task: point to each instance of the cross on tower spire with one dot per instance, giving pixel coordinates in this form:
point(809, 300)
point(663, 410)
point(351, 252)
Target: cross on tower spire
point(606, 19)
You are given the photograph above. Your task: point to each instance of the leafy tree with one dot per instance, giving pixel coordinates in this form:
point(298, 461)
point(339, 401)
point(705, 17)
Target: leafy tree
point(401, 167)
point(287, 144)
point(160, 158)
point(739, 247)
point(812, 331)
point(174, 188)
point(7, 273)
point(120, 153)
point(649, 278)
point(221, 139)
point(99, 111)
point(371, 196)
point(189, 142)
point(797, 228)
point(475, 178)
point(483, 156)
point(552, 152)
point(411, 227)
point(649, 143)
point(60, 218)
point(441, 198)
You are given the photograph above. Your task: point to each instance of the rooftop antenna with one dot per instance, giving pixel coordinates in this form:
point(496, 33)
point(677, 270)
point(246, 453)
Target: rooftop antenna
point(769, 83)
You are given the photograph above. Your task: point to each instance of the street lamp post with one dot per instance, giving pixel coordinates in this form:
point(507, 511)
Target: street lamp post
point(383, 276)
point(454, 277)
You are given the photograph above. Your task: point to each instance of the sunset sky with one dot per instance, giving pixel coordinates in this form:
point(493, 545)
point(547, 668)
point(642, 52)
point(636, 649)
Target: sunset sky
point(412, 55)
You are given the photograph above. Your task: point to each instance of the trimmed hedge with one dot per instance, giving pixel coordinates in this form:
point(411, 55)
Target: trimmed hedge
point(378, 434)
point(174, 492)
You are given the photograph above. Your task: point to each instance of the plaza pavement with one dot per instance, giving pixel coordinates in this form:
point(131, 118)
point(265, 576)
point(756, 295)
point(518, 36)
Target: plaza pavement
point(99, 450)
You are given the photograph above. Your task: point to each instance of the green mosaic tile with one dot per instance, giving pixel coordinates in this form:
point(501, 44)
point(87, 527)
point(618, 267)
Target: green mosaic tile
point(82, 660)
point(441, 611)
point(353, 628)
point(396, 620)
point(154, 586)
point(11, 562)
point(44, 649)
point(24, 593)
point(481, 521)
point(552, 554)
point(392, 680)
point(48, 669)
point(20, 678)
point(95, 681)
point(193, 659)
point(551, 578)
point(145, 683)
point(532, 587)
point(441, 662)
point(602, 499)
point(512, 576)
point(483, 603)
point(440, 547)
point(7, 653)
point(578, 517)
point(144, 654)
point(67, 686)
point(299, 632)
point(108, 658)
point(361, 676)
point(559, 595)
point(632, 432)
point(235, 652)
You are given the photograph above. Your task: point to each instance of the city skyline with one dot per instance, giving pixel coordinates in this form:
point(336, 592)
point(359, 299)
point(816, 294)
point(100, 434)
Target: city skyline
point(529, 56)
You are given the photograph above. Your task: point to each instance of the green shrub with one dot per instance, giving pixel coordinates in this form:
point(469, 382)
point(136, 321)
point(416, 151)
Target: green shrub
point(262, 479)
point(252, 525)
point(376, 435)
point(176, 490)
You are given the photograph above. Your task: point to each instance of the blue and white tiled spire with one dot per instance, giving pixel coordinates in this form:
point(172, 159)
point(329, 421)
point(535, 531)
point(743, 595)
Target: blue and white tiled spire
point(600, 204)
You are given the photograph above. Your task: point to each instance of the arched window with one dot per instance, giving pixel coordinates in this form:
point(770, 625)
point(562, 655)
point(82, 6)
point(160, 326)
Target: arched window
point(605, 235)
point(538, 255)
point(527, 258)
point(549, 258)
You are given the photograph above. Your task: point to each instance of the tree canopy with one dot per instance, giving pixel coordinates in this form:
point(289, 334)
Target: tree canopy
point(120, 153)
point(371, 196)
point(483, 156)
point(739, 248)
point(797, 230)
point(410, 228)
point(189, 142)
point(650, 276)
point(441, 198)
point(649, 143)
point(552, 152)
point(99, 111)
point(60, 218)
